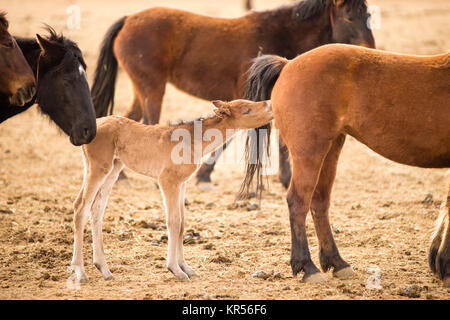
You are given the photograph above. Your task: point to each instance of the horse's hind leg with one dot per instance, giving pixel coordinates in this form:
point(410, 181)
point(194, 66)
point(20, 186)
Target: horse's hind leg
point(98, 211)
point(329, 254)
point(284, 172)
point(204, 173)
point(306, 170)
point(134, 112)
point(171, 194)
point(183, 265)
point(439, 255)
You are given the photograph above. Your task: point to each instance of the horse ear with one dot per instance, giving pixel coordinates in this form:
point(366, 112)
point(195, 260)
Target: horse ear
point(338, 3)
point(222, 112)
point(219, 103)
point(43, 43)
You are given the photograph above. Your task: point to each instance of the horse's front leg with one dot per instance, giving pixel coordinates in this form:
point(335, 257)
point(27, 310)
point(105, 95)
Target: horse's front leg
point(320, 204)
point(171, 194)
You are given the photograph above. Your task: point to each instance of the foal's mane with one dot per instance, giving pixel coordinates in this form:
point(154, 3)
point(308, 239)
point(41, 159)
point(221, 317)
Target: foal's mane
point(191, 122)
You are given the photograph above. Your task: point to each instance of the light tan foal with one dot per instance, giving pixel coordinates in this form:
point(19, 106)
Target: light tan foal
point(147, 149)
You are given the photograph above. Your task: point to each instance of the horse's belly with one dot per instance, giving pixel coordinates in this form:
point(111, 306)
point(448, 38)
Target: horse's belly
point(419, 155)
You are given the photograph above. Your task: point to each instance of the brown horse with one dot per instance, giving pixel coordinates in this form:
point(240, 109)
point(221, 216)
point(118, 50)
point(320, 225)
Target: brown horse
point(161, 45)
point(16, 78)
point(398, 105)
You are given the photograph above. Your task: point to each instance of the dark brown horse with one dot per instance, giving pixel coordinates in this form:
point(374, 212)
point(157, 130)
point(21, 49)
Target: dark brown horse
point(16, 78)
point(397, 105)
point(62, 87)
point(162, 45)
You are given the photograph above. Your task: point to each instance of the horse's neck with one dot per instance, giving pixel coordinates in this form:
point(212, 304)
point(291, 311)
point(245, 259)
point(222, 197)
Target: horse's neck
point(299, 36)
point(207, 128)
point(31, 51)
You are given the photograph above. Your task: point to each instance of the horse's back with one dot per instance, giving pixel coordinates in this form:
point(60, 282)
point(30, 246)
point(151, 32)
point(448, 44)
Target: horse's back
point(398, 105)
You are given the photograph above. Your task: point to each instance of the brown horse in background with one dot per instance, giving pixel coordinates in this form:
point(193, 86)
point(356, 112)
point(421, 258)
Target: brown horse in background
point(17, 81)
point(398, 105)
point(161, 45)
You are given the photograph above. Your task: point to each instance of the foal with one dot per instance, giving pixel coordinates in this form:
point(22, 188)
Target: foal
point(148, 149)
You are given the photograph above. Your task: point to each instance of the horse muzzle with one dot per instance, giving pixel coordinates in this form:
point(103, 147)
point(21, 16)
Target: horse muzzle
point(23, 95)
point(83, 135)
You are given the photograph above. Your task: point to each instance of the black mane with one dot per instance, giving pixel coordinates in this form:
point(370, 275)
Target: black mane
point(308, 9)
point(3, 19)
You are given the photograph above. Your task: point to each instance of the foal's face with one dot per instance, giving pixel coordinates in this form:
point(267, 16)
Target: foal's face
point(16, 78)
point(247, 114)
point(351, 24)
point(63, 90)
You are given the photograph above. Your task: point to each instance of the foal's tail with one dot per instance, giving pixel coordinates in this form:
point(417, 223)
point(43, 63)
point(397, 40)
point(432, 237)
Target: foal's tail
point(262, 76)
point(102, 91)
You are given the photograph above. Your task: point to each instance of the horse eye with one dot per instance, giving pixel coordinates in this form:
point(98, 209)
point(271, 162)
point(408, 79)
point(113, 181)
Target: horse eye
point(247, 111)
point(348, 20)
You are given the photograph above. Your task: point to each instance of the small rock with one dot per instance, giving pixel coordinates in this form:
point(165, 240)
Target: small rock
point(277, 275)
point(261, 274)
point(428, 199)
point(6, 211)
point(209, 205)
point(208, 246)
point(411, 291)
point(252, 206)
point(220, 259)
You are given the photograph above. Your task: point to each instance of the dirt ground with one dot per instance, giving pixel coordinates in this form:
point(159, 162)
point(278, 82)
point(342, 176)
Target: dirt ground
point(382, 213)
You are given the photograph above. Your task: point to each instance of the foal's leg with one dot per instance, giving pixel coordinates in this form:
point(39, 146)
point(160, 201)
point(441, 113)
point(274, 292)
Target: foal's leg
point(329, 254)
point(306, 169)
point(93, 183)
point(171, 195)
point(183, 265)
point(98, 210)
point(439, 256)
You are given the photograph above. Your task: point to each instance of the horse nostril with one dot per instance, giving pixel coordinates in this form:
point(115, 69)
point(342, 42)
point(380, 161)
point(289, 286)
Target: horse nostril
point(86, 133)
point(31, 91)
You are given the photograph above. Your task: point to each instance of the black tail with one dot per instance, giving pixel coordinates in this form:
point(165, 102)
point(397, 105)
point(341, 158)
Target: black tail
point(103, 88)
point(262, 76)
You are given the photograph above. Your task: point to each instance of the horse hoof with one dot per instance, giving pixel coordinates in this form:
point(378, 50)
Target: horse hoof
point(447, 282)
point(205, 186)
point(315, 278)
point(183, 277)
point(108, 277)
point(344, 273)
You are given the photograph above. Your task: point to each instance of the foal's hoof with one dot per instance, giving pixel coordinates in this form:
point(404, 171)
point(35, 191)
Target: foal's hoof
point(179, 274)
point(315, 278)
point(205, 186)
point(107, 275)
point(183, 277)
point(78, 274)
point(344, 273)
